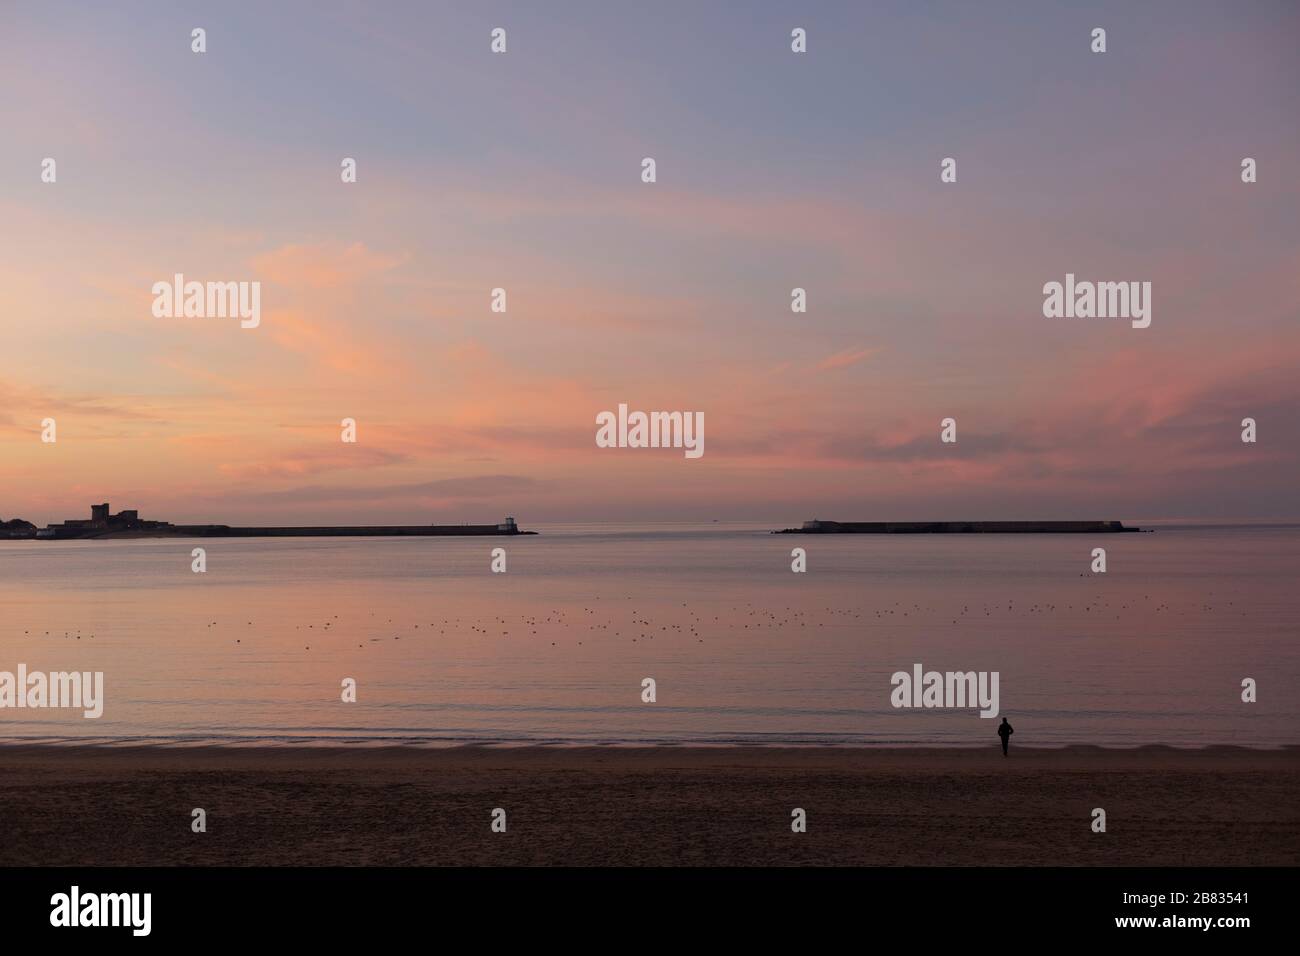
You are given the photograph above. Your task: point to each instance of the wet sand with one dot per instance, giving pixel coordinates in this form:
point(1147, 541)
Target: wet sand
point(660, 806)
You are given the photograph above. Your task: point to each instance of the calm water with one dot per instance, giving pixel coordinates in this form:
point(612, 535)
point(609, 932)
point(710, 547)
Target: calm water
point(742, 649)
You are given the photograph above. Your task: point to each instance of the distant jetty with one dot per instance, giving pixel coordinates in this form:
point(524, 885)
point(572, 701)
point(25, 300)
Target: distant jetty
point(129, 524)
point(958, 527)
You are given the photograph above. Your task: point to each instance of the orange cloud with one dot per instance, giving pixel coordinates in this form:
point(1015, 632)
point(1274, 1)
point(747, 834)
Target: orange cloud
point(846, 358)
point(323, 265)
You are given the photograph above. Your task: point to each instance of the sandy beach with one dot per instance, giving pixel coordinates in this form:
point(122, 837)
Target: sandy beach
point(62, 806)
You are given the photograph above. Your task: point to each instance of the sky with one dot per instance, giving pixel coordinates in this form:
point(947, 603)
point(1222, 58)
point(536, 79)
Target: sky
point(775, 170)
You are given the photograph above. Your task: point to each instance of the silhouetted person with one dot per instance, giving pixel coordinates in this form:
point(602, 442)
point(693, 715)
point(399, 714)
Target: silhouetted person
point(1005, 730)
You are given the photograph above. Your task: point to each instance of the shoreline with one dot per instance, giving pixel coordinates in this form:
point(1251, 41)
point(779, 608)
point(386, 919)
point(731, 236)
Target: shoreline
point(602, 806)
point(346, 745)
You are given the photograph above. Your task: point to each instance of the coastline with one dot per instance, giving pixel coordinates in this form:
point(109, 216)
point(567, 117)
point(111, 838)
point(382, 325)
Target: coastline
point(103, 524)
point(664, 805)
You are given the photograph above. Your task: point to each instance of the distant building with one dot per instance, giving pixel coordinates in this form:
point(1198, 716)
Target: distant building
point(101, 522)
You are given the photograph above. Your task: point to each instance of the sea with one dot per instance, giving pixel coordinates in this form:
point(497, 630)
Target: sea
point(259, 649)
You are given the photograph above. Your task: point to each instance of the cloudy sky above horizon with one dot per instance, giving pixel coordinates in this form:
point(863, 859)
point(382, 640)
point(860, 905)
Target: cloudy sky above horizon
point(775, 170)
